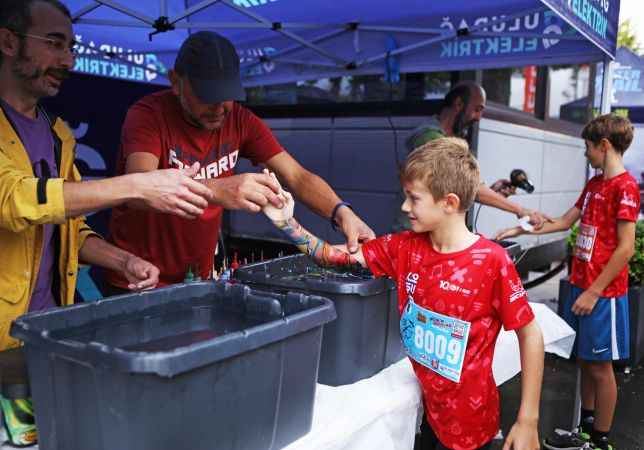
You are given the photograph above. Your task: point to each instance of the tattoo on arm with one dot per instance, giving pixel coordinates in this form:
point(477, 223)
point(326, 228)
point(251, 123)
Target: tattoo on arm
point(321, 251)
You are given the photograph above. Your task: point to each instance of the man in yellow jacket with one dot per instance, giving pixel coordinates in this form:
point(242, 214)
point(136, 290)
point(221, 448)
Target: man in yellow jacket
point(42, 232)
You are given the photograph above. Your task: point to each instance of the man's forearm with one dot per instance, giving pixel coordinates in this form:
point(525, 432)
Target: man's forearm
point(315, 193)
point(487, 196)
point(87, 196)
point(96, 251)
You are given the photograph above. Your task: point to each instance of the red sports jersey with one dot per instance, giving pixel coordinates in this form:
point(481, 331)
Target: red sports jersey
point(156, 125)
point(479, 285)
point(602, 204)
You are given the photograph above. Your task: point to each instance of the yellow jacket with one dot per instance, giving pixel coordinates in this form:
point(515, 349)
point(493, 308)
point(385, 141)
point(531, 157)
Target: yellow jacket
point(26, 203)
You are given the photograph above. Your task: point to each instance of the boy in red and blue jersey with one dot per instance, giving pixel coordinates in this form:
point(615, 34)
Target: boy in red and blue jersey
point(455, 291)
point(597, 309)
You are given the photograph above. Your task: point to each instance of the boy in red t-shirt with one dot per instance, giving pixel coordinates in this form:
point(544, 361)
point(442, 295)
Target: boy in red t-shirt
point(455, 290)
point(598, 307)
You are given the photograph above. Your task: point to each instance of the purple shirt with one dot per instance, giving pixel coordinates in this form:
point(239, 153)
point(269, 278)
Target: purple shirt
point(37, 139)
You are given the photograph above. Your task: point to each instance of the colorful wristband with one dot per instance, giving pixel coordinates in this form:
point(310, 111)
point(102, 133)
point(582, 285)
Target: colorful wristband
point(334, 224)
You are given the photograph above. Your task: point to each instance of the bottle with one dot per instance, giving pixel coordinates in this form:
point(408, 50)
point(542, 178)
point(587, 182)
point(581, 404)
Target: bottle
point(189, 278)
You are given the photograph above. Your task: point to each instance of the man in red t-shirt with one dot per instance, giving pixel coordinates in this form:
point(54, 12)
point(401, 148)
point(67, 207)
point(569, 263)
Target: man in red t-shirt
point(455, 291)
point(199, 121)
point(598, 307)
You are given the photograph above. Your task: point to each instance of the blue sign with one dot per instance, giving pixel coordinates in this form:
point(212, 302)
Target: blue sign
point(596, 19)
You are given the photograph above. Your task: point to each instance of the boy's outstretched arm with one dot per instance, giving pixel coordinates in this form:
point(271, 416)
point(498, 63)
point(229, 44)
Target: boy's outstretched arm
point(524, 434)
point(559, 224)
point(623, 252)
point(322, 252)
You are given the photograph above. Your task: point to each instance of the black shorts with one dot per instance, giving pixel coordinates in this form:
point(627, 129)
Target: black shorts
point(428, 440)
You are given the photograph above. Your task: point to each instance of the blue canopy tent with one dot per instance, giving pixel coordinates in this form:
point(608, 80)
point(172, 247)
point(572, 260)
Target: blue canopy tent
point(627, 95)
point(628, 85)
point(287, 40)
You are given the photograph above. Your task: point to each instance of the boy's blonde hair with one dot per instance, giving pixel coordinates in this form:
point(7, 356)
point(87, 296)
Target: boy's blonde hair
point(444, 166)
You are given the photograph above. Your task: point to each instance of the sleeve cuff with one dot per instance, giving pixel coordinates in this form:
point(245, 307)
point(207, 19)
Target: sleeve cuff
point(85, 232)
point(55, 200)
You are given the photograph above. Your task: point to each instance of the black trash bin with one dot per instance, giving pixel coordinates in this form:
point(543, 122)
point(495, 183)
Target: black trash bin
point(200, 366)
point(366, 336)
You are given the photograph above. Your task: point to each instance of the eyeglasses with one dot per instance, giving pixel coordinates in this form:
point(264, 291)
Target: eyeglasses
point(57, 45)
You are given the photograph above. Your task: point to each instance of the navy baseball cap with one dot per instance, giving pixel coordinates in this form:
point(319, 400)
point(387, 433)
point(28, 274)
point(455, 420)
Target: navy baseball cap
point(211, 63)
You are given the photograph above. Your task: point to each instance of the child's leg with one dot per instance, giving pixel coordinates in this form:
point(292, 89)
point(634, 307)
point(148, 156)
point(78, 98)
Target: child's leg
point(603, 337)
point(587, 398)
point(605, 388)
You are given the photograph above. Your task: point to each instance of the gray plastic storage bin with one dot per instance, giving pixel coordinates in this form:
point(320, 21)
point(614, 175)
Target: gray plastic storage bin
point(513, 248)
point(201, 366)
point(366, 336)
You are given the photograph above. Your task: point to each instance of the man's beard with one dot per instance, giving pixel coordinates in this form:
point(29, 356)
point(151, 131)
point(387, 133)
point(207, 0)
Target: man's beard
point(25, 70)
point(461, 127)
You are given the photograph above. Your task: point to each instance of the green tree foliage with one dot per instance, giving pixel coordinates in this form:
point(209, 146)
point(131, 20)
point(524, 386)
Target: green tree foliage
point(627, 37)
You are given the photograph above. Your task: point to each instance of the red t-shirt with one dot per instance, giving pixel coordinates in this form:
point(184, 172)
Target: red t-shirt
point(155, 124)
point(602, 204)
point(479, 285)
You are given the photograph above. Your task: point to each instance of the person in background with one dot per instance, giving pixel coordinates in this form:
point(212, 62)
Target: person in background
point(462, 107)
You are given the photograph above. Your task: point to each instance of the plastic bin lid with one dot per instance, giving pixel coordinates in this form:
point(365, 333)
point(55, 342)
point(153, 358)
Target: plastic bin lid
point(46, 329)
point(301, 273)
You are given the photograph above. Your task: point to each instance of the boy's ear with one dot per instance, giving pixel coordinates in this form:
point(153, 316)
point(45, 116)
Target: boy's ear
point(452, 203)
point(606, 145)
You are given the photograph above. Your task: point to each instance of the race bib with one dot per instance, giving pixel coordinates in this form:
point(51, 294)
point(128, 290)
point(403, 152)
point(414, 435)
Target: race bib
point(585, 241)
point(434, 340)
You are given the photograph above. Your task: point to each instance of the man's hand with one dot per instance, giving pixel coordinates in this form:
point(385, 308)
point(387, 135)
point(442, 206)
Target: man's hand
point(537, 218)
point(354, 229)
point(523, 436)
point(173, 191)
point(504, 187)
point(247, 191)
point(283, 214)
point(585, 303)
point(139, 273)
point(509, 233)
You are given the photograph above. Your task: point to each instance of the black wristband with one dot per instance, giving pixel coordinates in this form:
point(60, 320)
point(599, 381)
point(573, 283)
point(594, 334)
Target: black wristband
point(334, 224)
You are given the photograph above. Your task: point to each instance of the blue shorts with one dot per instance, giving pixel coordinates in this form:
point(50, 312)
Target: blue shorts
point(604, 334)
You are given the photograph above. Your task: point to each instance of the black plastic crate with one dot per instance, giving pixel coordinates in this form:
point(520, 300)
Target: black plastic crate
point(197, 366)
point(366, 336)
point(513, 248)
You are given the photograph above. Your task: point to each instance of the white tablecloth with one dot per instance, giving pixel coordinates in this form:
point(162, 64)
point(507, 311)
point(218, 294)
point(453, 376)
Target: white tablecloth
point(381, 412)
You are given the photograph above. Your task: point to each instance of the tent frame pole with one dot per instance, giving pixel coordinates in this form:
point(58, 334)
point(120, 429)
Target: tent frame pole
point(288, 34)
point(127, 11)
point(192, 10)
point(607, 86)
point(84, 10)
